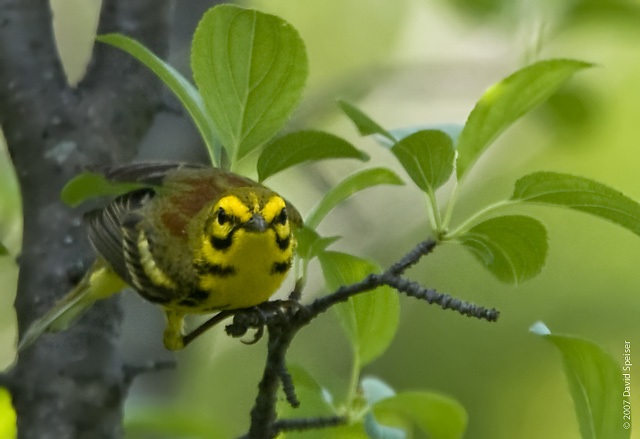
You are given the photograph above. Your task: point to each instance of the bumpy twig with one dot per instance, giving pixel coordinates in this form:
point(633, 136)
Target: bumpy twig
point(283, 319)
point(308, 423)
point(288, 387)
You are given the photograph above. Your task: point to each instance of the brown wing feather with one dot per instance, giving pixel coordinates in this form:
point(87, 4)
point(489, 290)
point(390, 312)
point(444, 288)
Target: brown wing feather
point(106, 228)
point(152, 173)
point(113, 231)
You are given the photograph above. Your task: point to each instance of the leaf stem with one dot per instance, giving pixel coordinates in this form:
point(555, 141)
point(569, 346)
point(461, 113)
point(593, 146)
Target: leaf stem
point(462, 228)
point(353, 382)
point(449, 212)
point(435, 218)
point(431, 217)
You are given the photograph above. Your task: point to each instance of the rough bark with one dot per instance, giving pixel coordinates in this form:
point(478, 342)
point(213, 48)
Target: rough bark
point(71, 384)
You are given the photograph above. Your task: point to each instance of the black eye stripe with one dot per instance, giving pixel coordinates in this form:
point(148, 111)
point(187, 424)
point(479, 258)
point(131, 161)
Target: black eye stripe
point(281, 218)
point(222, 216)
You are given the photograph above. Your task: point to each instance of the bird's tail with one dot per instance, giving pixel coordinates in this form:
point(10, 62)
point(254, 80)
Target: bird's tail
point(98, 283)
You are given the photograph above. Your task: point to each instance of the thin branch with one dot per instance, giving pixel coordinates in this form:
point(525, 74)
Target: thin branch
point(342, 294)
point(308, 423)
point(296, 294)
point(412, 258)
point(414, 289)
point(283, 319)
point(304, 424)
point(288, 387)
point(132, 371)
point(263, 414)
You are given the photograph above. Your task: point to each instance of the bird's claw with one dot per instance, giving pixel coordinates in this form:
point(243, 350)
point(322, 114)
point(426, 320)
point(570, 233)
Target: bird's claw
point(250, 318)
point(259, 316)
point(256, 337)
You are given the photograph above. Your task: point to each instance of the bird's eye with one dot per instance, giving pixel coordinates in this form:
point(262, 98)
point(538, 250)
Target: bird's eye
point(282, 217)
point(222, 216)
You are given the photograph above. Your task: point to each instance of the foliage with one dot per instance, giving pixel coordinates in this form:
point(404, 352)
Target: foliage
point(250, 69)
point(7, 416)
point(89, 185)
point(507, 101)
point(184, 90)
point(595, 383)
point(512, 247)
point(347, 187)
point(369, 320)
point(304, 146)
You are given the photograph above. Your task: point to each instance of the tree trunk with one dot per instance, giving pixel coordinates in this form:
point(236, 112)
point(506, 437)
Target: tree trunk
point(71, 384)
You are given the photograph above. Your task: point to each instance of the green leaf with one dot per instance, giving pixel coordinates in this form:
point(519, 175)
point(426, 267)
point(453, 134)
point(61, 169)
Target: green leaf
point(452, 130)
point(3, 250)
point(512, 247)
point(374, 390)
point(347, 187)
point(311, 244)
point(365, 125)
point(427, 156)
point(183, 89)
point(91, 185)
point(581, 194)
point(507, 101)
point(437, 415)
point(596, 385)
point(251, 70)
point(375, 430)
point(304, 146)
point(370, 319)
point(7, 416)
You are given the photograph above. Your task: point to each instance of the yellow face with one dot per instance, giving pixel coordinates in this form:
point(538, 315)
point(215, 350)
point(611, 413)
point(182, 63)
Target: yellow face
point(246, 249)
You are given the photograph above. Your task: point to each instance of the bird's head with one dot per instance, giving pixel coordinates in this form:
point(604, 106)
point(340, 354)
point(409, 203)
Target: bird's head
point(245, 212)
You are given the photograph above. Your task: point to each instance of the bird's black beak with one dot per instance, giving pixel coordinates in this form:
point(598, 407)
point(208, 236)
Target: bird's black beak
point(256, 223)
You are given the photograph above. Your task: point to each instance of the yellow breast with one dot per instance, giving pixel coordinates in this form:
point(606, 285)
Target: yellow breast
point(247, 274)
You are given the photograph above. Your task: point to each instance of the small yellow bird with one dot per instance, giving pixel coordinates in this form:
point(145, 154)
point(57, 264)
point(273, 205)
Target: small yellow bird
point(196, 240)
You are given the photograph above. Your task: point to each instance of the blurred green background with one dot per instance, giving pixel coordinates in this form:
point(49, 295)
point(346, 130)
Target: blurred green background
point(409, 62)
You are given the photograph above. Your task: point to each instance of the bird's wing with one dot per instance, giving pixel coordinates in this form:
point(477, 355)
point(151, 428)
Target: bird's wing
point(152, 173)
point(106, 227)
point(116, 234)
